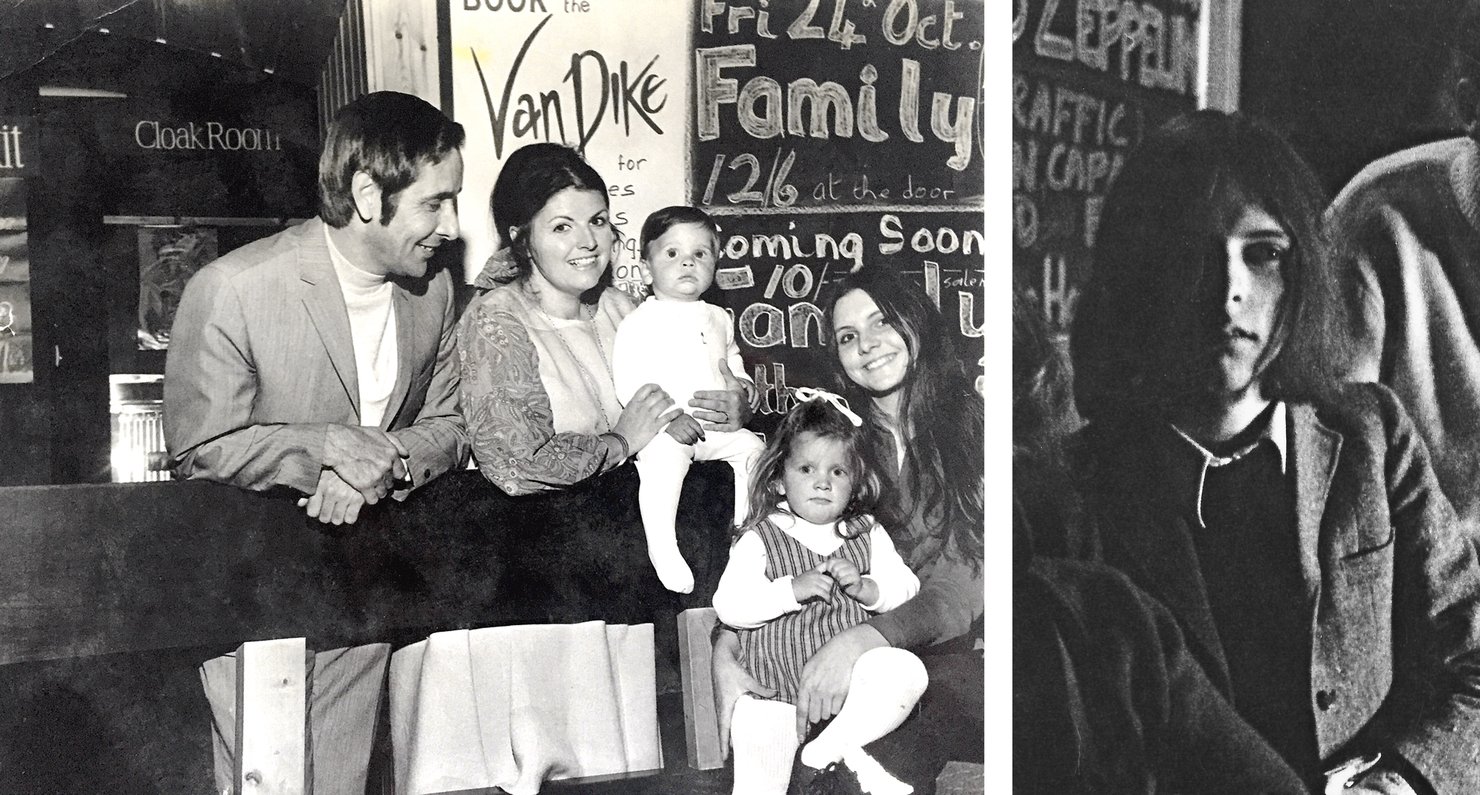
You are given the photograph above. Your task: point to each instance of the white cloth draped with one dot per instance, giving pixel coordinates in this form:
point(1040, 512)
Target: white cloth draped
point(514, 706)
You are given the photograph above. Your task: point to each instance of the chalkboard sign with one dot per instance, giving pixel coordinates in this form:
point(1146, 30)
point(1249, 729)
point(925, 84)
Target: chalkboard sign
point(832, 135)
point(1088, 80)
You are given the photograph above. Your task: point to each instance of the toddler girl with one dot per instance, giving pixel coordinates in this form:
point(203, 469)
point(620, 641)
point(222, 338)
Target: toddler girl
point(811, 562)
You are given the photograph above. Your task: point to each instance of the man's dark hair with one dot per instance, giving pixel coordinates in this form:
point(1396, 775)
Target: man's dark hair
point(1156, 252)
point(389, 136)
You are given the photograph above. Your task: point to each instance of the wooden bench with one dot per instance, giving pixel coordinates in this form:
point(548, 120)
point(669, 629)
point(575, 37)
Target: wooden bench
point(271, 734)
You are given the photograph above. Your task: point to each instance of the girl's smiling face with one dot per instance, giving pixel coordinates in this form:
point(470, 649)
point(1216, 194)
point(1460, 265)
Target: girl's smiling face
point(817, 478)
point(873, 353)
point(571, 241)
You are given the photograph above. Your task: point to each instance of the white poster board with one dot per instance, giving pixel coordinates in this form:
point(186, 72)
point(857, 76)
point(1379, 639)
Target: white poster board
point(610, 77)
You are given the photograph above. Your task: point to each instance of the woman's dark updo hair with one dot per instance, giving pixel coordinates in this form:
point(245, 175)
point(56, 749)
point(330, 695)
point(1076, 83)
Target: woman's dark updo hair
point(527, 181)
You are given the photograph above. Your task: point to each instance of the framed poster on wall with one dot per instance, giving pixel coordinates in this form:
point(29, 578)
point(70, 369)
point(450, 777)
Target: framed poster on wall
point(168, 257)
point(594, 75)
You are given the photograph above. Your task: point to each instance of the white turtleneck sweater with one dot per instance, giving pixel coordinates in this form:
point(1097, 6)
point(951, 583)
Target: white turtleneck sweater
point(372, 328)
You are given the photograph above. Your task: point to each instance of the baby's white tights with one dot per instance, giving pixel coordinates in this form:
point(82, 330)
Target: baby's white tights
point(662, 466)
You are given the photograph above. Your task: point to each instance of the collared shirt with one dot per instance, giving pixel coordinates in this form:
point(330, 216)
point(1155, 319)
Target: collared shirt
point(1276, 431)
point(1246, 543)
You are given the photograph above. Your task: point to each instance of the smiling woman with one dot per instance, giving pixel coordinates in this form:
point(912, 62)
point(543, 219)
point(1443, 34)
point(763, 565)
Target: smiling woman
point(535, 350)
point(549, 428)
point(871, 352)
point(569, 243)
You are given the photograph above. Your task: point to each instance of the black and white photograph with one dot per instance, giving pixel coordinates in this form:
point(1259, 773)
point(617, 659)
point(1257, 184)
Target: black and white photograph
point(1245, 397)
point(502, 396)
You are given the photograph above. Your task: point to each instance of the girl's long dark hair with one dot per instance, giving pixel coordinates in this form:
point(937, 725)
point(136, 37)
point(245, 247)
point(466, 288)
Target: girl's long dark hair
point(820, 418)
point(940, 415)
point(1155, 246)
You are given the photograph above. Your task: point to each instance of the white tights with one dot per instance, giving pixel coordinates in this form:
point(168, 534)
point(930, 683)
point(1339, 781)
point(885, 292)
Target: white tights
point(883, 688)
point(662, 466)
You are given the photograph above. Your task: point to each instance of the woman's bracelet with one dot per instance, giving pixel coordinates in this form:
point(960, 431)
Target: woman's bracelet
point(621, 442)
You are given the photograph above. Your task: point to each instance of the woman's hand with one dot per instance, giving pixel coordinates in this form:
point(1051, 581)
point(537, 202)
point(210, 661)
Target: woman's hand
point(825, 677)
point(645, 415)
point(731, 681)
point(725, 409)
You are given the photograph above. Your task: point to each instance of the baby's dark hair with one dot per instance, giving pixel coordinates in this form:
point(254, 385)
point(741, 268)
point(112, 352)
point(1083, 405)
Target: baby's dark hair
point(821, 418)
point(665, 219)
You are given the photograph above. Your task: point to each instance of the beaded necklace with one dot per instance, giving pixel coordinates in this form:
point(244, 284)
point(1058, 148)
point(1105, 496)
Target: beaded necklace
point(593, 387)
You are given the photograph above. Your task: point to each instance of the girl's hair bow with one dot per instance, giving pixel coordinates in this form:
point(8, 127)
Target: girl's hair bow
point(807, 393)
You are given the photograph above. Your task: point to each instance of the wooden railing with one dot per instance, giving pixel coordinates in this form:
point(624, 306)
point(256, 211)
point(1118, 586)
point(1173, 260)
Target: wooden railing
point(97, 569)
point(110, 595)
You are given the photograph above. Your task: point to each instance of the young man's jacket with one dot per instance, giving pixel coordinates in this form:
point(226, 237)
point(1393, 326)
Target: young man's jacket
point(1391, 581)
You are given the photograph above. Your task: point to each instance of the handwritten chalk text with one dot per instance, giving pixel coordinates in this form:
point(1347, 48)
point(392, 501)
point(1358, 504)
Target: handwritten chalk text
point(1160, 48)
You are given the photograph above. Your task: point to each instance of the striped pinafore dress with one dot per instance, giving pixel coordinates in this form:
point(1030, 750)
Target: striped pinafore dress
point(775, 652)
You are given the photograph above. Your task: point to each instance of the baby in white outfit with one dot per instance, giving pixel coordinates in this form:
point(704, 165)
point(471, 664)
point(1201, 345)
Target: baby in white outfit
point(680, 343)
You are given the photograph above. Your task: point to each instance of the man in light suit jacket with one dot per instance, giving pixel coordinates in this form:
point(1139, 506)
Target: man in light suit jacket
point(321, 360)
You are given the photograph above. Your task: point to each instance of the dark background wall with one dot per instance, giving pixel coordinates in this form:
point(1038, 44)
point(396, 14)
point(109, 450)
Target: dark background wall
point(87, 164)
point(1348, 80)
